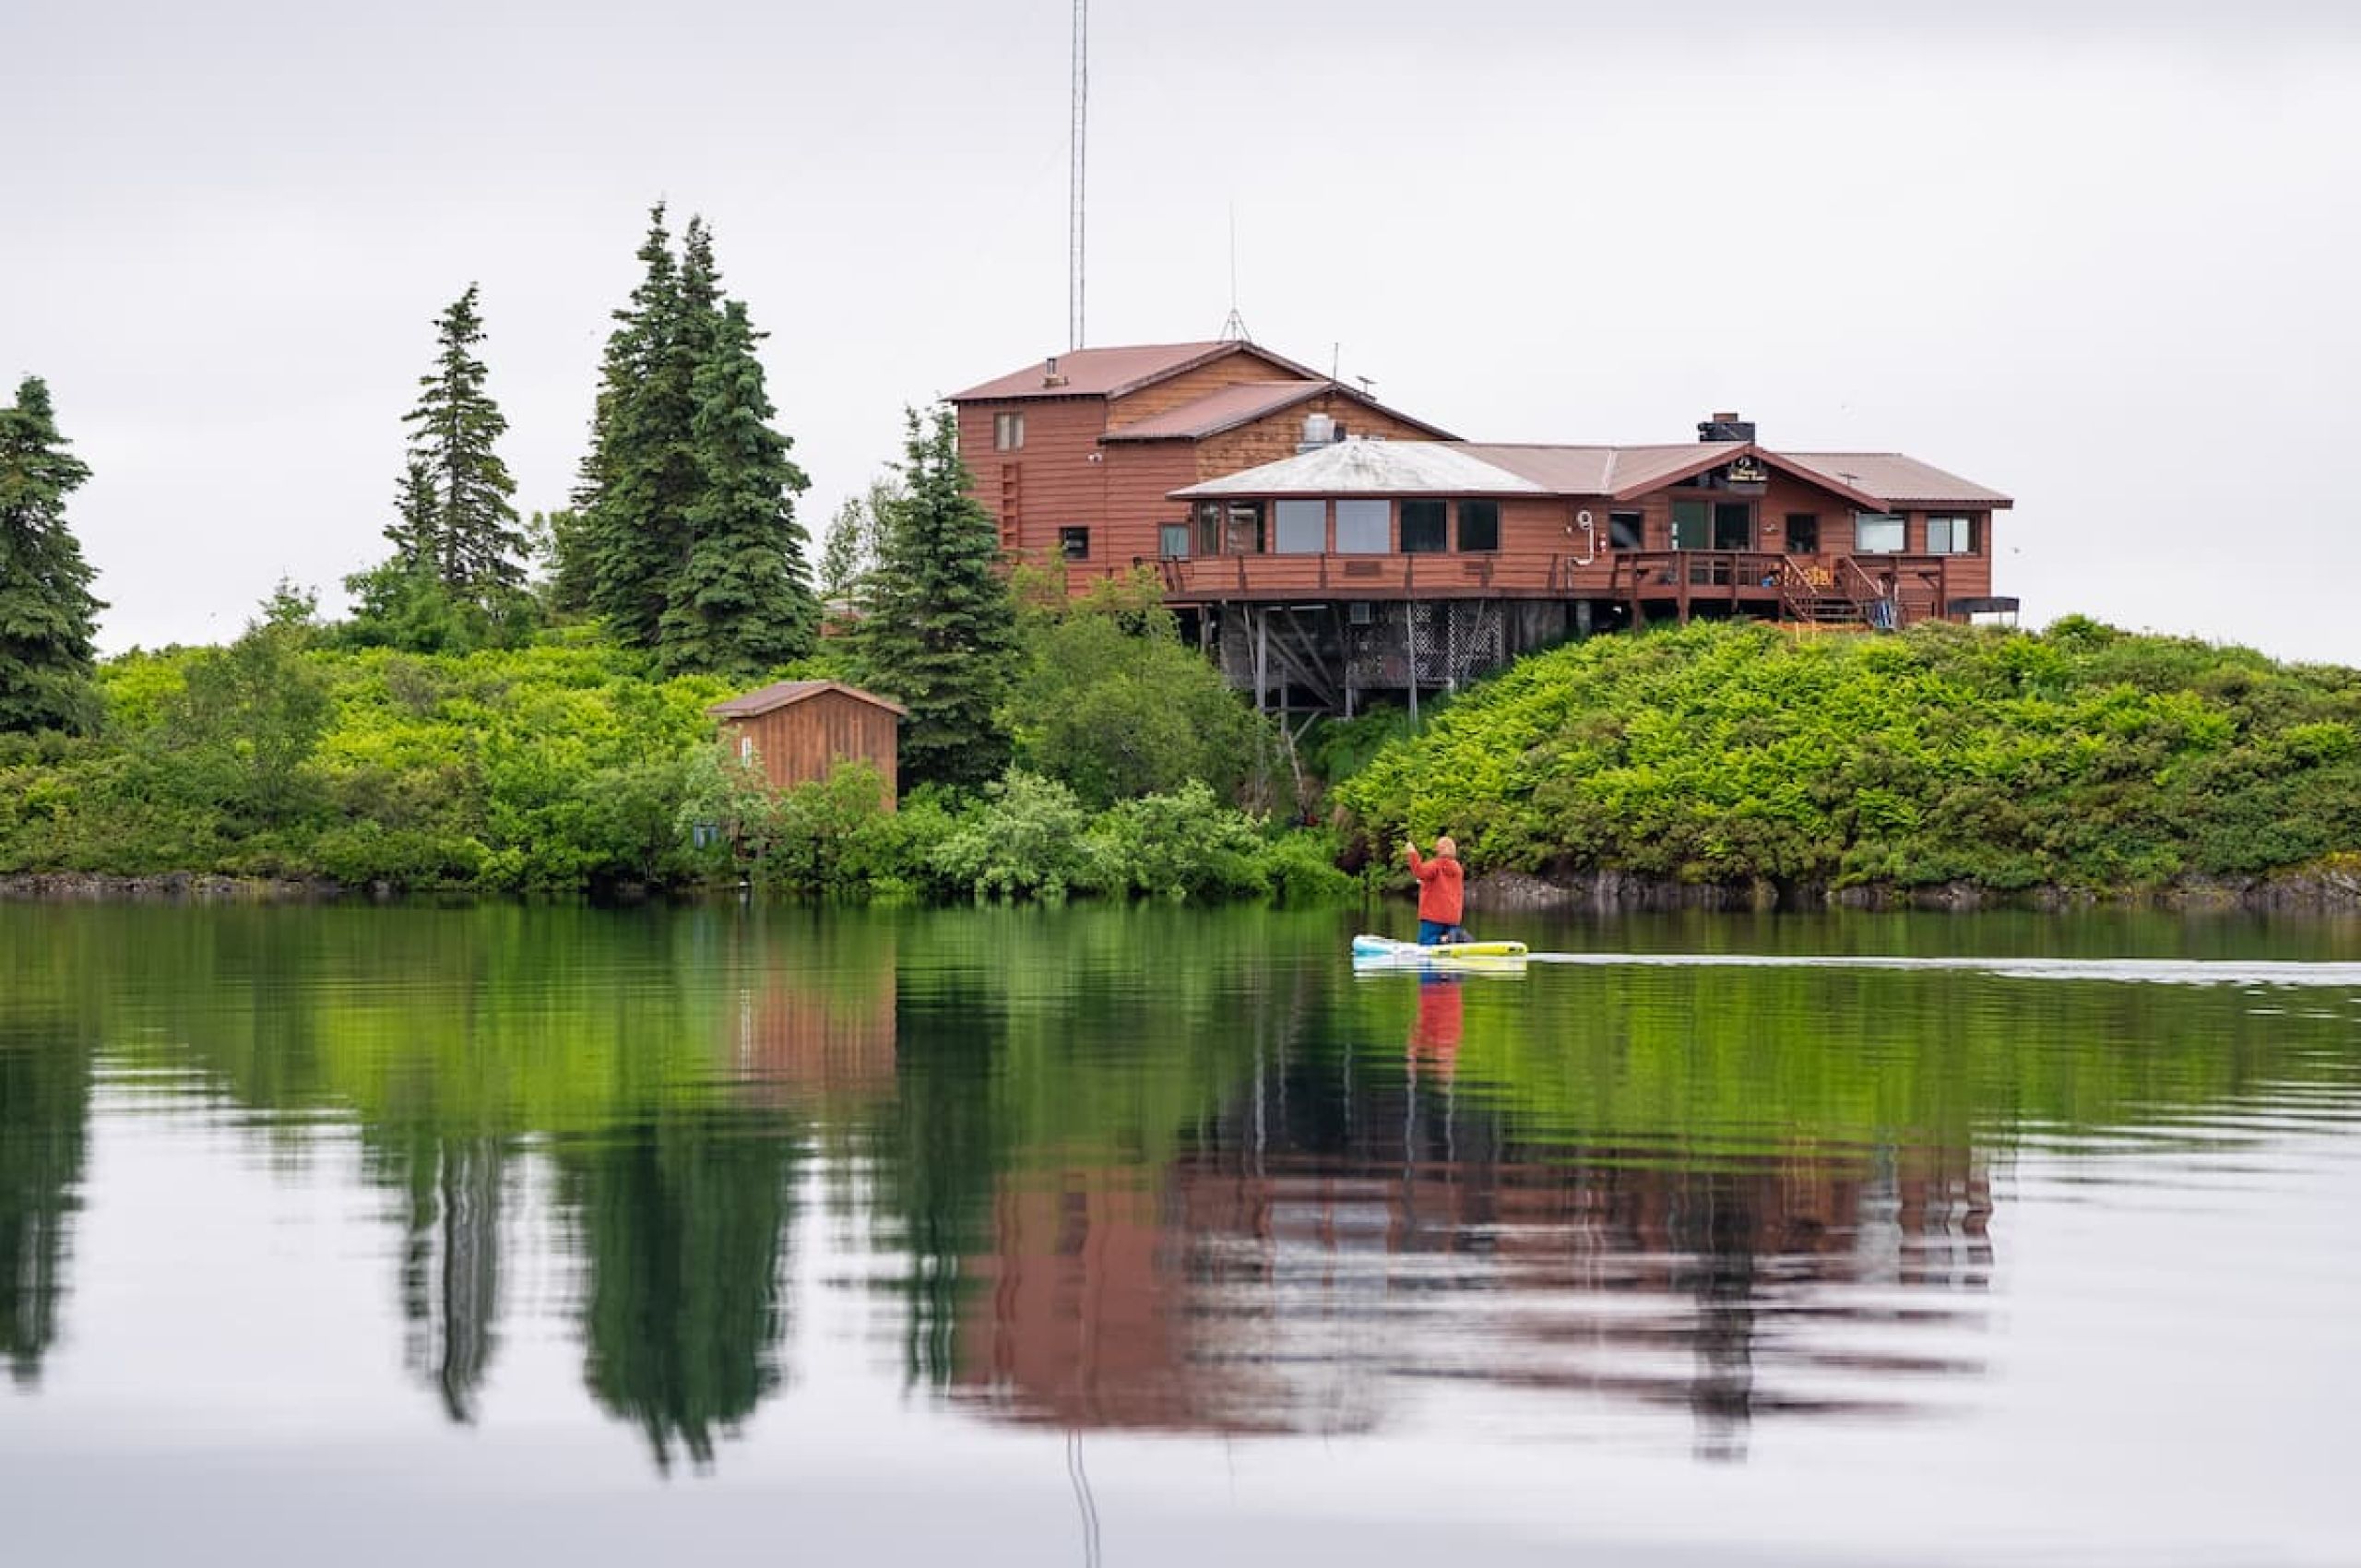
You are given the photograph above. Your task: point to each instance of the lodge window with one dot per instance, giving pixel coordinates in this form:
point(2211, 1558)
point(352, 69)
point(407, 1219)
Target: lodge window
point(1299, 527)
point(1172, 540)
point(1480, 525)
point(1878, 533)
point(1242, 529)
point(1713, 524)
point(1423, 526)
point(1626, 530)
point(1075, 543)
point(1803, 533)
point(1008, 433)
point(1951, 536)
point(1364, 528)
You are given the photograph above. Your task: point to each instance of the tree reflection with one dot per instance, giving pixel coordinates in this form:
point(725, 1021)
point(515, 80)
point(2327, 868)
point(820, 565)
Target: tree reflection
point(450, 1276)
point(44, 1109)
point(680, 1222)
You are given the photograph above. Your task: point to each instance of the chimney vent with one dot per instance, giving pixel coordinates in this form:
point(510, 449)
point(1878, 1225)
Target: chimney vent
point(1050, 376)
point(1725, 426)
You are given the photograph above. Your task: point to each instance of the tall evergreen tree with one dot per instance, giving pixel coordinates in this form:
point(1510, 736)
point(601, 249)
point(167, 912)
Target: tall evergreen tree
point(743, 602)
point(938, 631)
point(478, 546)
point(642, 472)
point(48, 615)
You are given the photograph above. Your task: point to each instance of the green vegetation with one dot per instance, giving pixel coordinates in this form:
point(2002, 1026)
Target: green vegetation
point(2081, 756)
point(47, 612)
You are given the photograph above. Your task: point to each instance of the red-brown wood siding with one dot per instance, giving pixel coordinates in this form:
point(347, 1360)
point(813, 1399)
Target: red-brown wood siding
point(804, 740)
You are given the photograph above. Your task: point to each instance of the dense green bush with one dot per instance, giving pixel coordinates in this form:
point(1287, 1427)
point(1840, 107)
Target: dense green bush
point(2083, 756)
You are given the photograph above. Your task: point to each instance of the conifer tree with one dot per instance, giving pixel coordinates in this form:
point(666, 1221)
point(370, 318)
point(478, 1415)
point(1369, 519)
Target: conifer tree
point(412, 531)
point(477, 548)
point(939, 635)
point(48, 615)
point(742, 603)
point(642, 472)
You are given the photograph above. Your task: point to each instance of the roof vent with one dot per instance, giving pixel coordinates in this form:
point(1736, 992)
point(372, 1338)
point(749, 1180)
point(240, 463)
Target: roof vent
point(1050, 376)
point(1726, 427)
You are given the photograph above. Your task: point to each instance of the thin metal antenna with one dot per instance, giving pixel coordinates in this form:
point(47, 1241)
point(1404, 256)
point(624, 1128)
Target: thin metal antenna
point(1233, 326)
point(1080, 135)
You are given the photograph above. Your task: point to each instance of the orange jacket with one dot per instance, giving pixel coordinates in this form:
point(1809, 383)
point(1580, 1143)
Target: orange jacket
point(1440, 890)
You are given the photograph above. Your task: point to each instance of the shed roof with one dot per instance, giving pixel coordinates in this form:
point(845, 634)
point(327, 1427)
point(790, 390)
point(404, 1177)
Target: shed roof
point(1456, 468)
point(1242, 404)
point(786, 693)
point(1112, 371)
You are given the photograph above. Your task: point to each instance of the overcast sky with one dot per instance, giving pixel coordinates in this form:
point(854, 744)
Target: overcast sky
point(2102, 257)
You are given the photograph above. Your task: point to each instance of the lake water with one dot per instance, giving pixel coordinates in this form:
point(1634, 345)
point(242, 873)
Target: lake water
point(362, 1236)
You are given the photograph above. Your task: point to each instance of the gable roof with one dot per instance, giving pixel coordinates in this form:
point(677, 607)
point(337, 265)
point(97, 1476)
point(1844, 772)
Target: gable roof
point(786, 693)
point(1243, 404)
point(1879, 481)
point(1112, 373)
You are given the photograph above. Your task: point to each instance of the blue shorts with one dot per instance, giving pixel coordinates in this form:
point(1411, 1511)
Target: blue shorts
point(1432, 932)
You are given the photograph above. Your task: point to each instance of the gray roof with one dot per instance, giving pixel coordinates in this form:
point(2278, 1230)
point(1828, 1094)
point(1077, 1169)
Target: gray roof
point(1372, 467)
point(1456, 468)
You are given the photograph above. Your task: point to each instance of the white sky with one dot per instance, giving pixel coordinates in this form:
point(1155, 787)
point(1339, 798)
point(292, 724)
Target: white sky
point(2099, 256)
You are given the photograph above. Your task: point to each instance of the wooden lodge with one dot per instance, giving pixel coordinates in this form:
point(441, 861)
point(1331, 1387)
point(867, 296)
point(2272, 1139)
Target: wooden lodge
point(1078, 456)
point(1325, 547)
point(799, 730)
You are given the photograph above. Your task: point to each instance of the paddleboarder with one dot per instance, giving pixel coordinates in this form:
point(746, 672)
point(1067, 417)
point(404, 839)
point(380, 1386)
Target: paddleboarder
point(1441, 892)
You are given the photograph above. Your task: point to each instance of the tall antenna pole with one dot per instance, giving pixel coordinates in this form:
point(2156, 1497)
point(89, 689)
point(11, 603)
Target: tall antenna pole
point(1081, 128)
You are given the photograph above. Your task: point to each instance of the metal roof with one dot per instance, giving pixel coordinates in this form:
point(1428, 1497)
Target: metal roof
point(1894, 478)
point(1454, 468)
point(1111, 373)
point(786, 693)
point(1371, 467)
point(1243, 404)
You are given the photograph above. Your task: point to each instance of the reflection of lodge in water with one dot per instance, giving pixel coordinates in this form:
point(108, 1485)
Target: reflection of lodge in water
point(797, 1040)
point(1370, 1243)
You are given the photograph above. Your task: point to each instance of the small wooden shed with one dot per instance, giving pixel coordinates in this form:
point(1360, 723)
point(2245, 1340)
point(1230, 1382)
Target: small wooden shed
point(800, 730)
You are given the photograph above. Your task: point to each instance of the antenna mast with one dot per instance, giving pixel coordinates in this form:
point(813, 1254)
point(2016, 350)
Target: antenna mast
point(1080, 127)
point(1233, 326)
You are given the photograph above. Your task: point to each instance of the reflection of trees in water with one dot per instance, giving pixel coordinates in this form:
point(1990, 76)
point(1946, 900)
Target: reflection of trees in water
point(450, 1275)
point(44, 1111)
point(680, 1222)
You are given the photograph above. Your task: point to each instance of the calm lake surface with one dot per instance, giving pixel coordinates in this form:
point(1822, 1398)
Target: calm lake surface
point(367, 1236)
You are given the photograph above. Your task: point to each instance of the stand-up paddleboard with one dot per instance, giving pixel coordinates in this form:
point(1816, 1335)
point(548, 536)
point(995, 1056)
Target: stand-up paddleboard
point(1385, 953)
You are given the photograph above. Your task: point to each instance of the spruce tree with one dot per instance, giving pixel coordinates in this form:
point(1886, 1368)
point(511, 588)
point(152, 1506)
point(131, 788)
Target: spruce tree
point(642, 472)
point(477, 548)
point(413, 529)
point(939, 630)
point(742, 603)
point(48, 616)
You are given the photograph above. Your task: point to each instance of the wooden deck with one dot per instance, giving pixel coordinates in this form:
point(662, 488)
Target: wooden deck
point(1879, 590)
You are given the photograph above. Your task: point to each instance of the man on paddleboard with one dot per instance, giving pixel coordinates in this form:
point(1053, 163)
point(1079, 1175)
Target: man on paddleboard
point(1441, 892)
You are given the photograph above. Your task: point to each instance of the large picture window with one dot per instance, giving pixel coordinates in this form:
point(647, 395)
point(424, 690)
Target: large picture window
point(1363, 528)
point(1951, 536)
point(1299, 527)
point(1480, 525)
point(1243, 525)
point(1423, 526)
point(1878, 533)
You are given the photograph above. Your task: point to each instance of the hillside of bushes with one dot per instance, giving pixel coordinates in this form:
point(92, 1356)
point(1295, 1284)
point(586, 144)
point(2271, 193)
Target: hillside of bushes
point(2079, 757)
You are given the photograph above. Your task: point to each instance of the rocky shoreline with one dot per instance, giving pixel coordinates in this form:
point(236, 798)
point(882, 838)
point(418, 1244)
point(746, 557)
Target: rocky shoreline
point(2311, 891)
point(197, 888)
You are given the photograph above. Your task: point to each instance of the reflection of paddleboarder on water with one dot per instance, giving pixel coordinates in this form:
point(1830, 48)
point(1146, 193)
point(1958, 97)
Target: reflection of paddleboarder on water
point(1434, 1033)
